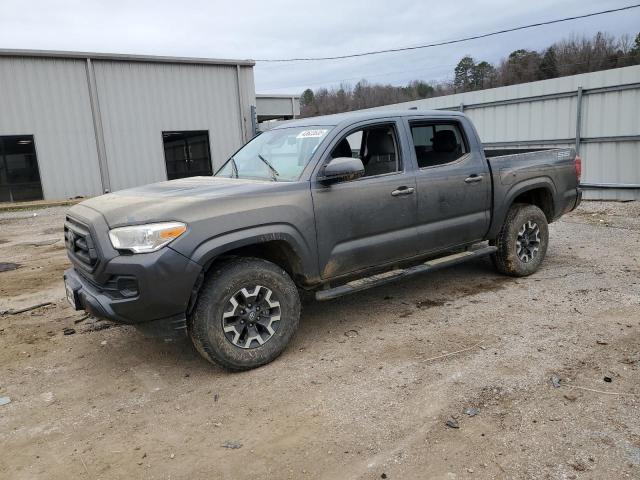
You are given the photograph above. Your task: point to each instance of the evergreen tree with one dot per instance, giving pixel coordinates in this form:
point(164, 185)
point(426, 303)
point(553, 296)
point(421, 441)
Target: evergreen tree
point(306, 98)
point(482, 75)
point(549, 65)
point(463, 74)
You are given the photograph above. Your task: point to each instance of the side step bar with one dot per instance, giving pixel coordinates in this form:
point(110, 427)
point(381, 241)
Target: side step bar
point(393, 275)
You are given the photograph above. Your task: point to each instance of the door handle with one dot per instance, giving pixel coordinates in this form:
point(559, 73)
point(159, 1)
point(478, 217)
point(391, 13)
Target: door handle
point(473, 178)
point(402, 191)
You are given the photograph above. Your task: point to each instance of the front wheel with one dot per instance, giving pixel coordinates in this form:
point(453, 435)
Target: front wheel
point(522, 241)
point(247, 311)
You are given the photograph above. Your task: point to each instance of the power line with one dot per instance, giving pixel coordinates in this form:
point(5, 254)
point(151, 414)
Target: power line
point(449, 42)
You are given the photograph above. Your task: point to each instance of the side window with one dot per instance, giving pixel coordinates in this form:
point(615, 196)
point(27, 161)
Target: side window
point(437, 144)
point(376, 146)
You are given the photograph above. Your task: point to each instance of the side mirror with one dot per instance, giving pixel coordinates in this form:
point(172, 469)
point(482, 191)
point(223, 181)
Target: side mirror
point(341, 169)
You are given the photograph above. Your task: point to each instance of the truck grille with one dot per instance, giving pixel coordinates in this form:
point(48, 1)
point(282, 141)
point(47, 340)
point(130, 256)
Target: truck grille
point(80, 246)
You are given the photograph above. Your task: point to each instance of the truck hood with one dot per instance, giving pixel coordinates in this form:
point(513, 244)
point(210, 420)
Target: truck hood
point(174, 199)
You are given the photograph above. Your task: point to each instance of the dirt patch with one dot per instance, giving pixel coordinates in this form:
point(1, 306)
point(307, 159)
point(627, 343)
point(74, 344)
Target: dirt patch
point(34, 276)
point(366, 387)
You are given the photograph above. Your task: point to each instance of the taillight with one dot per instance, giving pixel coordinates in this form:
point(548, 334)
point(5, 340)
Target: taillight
point(578, 167)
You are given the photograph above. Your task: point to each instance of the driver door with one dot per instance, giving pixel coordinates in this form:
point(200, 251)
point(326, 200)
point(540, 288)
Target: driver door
point(369, 221)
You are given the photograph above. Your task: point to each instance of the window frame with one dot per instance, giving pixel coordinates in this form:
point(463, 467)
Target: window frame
point(393, 123)
point(434, 122)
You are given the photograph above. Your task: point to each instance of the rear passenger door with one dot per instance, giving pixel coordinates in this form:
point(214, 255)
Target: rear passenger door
point(453, 181)
point(369, 221)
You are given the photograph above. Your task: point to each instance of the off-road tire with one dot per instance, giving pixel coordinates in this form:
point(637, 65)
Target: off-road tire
point(506, 259)
point(223, 281)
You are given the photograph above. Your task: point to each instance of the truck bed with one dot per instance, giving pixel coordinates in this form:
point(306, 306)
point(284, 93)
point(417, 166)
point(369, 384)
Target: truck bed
point(515, 165)
point(552, 169)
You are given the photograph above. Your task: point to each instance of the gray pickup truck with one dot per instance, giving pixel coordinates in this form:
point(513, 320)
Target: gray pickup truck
point(330, 205)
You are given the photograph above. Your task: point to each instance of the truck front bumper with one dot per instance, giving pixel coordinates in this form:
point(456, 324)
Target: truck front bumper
point(140, 288)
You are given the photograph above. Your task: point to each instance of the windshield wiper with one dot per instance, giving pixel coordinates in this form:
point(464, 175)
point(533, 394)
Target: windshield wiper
point(274, 172)
point(234, 168)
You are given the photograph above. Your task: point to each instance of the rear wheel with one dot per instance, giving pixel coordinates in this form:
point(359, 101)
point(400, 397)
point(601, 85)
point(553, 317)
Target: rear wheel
point(247, 312)
point(522, 241)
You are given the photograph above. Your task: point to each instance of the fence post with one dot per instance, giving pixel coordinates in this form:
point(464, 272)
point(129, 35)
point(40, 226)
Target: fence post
point(578, 118)
point(461, 107)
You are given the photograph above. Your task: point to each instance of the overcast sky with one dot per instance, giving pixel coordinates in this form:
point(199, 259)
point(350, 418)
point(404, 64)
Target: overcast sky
point(277, 29)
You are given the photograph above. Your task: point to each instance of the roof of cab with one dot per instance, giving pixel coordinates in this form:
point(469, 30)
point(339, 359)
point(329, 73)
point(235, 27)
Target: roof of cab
point(363, 115)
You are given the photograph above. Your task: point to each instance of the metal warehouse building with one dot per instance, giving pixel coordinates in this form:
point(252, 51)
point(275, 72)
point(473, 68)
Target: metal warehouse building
point(79, 124)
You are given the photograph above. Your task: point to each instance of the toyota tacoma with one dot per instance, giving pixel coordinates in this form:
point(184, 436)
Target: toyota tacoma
point(326, 205)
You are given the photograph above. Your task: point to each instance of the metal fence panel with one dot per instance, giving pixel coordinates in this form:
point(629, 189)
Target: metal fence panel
point(545, 114)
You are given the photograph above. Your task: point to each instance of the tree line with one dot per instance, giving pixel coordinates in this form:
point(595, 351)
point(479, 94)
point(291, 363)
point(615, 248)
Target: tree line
point(567, 57)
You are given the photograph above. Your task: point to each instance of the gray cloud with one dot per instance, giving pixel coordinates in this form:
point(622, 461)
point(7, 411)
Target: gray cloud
point(276, 29)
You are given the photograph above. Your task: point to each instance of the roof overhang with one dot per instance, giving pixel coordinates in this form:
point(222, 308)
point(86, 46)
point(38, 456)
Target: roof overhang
point(123, 57)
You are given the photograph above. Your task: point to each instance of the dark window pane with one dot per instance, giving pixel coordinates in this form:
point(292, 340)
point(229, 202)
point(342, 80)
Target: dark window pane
point(437, 144)
point(187, 153)
point(19, 175)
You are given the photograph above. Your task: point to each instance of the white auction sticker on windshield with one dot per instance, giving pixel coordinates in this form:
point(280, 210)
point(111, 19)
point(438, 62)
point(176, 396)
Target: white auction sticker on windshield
point(312, 133)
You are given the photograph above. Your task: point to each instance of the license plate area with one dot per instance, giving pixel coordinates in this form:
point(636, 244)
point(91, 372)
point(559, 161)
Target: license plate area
point(72, 296)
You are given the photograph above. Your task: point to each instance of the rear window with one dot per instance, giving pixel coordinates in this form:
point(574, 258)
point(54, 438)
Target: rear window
point(437, 144)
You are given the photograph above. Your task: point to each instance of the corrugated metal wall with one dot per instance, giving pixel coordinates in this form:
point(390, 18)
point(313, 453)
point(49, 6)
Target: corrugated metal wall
point(544, 113)
point(278, 106)
point(138, 101)
point(50, 98)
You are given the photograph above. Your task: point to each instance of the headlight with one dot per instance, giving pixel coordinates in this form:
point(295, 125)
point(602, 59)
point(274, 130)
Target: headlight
point(146, 238)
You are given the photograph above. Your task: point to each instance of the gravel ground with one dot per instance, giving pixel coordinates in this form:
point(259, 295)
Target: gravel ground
point(365, 390)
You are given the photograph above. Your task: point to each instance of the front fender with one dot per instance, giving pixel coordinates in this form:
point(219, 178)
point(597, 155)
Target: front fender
point(216, 246)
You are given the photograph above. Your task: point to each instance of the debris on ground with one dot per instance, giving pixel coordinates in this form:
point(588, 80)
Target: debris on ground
point(4, 401)
point(8, 266)
point(81, 319)
point(555, 381)
point(472, 411)
point(232, 445)
point(608, 379)
point(40, 243)
point(430, 303)
point(96, 325)
point(351, 333)
point(452, 423)
point(68, 331)
point(25, 309)
point(602, 342)
point(47, 397)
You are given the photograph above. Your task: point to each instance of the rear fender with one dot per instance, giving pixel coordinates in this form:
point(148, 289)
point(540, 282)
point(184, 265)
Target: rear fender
point(508, 193)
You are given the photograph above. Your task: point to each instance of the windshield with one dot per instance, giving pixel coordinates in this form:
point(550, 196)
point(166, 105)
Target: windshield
point(279, 155)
